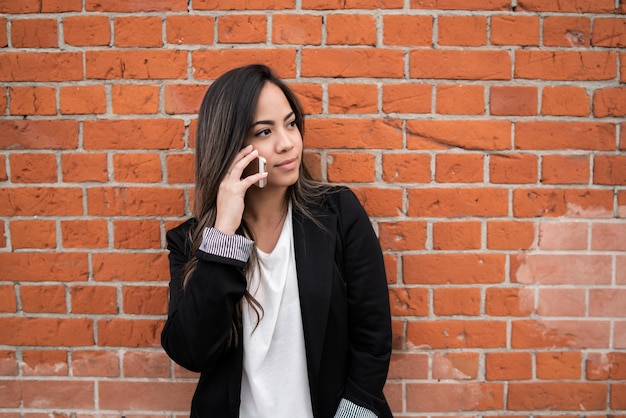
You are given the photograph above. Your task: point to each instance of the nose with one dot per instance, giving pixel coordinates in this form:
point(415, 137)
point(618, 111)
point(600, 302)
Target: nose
point(284, 140)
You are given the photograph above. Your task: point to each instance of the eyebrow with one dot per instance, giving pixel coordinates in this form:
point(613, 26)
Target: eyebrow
point(269, 122)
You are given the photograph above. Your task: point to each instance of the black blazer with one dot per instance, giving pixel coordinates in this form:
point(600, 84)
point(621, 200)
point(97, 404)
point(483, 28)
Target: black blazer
point(345, 312)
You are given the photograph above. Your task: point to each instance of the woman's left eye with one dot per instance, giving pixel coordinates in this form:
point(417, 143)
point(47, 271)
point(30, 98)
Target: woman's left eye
point(292, 123)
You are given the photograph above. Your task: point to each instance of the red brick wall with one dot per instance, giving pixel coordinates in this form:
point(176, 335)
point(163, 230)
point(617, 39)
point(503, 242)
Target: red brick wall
point(486, 139)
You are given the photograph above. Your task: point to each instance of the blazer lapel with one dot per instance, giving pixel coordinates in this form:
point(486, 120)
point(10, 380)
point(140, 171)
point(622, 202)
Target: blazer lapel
point(314, 252)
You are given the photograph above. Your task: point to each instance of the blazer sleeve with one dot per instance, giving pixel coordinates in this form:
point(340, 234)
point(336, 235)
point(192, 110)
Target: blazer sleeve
point(200, 316)
point(369, 316)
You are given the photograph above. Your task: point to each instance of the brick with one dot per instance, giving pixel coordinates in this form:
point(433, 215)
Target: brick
point(456, 301)
point(453, 268)
point(408, 301)
point(34, 33)
point(565, 101)
point(549, 135)
point(464, 134)
point(135, 99)
point(96, 363)
point(33, 168)
point(618, 396)
point(351, 167)
point(3, 96)
point(8, 304)
point(141, 134)
point(41, 201)
point(406, 168)
point(43, 299)
point(609, 102)
point(60, 6)
point(130, 267)
point(47, 332)
point(145, 300)
point(408, 366)
point(137, 234)
point(620, 334)
point(149, 396)
point(462, 30)
point(600, 6)
point(607, 302)
point(138, 31)
point(352, 62)
point(135, 64)
point(559, 365)
point(350, 29)
point(58, 394)
point(135, 201)
point(94, 299)
point(380, 202)
point(242, 29)
point(82, 100)
point(461, 202)
point(354, 133)
point(137, 168)
point(528, 203)
point(535, 334)
point(460, 64)
point(38, 134)
point(210, 64)
point(118, 332)
point(243, 5)
point(8, 364)
point(3, 33)
point(459, 168)
point(609, 32)
point(44, 363)
point(310, 96)
point(509, 302)
point(561, 302)
point(84, 167)
point(513, 101)
point(189, 29)
point(123, 6)
point(145, 364)
point(87, 30)
point(183, 98)
point(407, 98)
point(555, 269)
point(456, 235)
point(510, 235)
point(44, 266)
point(87, 233)
point(402, 235)
point(524, 396)
point(565, 65)
point(603, 366)
point(565, 169)
point(41, 66)
point(459, 366)
point(458, 99)
point(453, 397)
point(508, 366)
point(404, 30)
point(457, 334)
point(180, 168)
point(460, 5)
point(515, 30)
point(608, 236)
point(352, 98)
point(563, 235)
point(32, 100)
point(513, 168)
point(567, 31)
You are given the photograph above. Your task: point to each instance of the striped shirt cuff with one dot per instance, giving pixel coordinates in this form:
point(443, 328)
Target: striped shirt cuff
point(235, 247)
point(349, 409)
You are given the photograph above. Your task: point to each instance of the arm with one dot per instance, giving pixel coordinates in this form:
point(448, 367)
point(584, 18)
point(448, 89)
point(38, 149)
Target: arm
point(369, 315)
point(200, 316)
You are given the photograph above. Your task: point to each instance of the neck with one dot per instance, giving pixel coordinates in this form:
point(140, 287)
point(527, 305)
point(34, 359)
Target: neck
point(265, 205)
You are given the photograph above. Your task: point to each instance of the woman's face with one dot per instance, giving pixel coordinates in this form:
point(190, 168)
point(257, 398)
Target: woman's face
point(275, 135)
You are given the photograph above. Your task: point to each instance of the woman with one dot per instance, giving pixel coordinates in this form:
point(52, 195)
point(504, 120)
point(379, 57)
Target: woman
point(278, 294)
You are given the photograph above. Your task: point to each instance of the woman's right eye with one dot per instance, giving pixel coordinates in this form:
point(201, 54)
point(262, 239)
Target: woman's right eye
point(263, 132)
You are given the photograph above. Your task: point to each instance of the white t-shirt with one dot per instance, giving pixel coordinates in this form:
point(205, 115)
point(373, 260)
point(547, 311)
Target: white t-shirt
point(275, 380)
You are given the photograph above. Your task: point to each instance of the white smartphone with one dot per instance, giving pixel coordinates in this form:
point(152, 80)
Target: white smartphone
point(262, 163)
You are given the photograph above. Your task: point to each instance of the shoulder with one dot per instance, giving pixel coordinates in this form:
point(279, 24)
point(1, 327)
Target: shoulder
point(342, 200)
point(180, 236)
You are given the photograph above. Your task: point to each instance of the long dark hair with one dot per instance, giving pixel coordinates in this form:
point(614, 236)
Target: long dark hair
point(224, 120)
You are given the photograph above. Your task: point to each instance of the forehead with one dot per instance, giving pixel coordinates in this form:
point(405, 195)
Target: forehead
point(272, 101)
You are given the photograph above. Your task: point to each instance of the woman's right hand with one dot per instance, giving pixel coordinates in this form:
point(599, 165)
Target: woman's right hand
point(232, 191)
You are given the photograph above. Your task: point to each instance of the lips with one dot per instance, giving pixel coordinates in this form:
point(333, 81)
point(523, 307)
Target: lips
point(287, 163)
